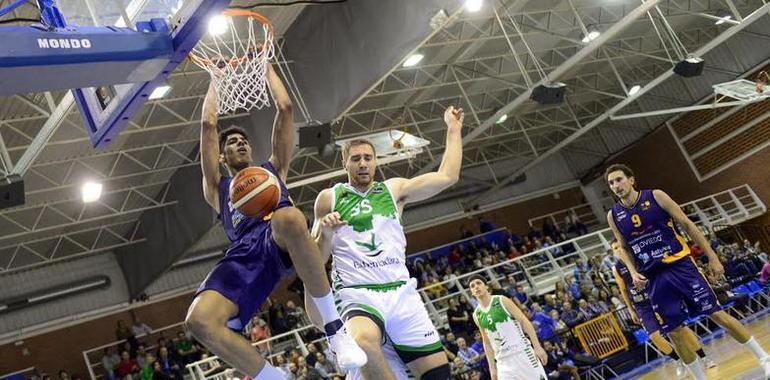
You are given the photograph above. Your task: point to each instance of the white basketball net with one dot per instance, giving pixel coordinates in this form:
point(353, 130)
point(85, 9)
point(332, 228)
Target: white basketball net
point(238, 64)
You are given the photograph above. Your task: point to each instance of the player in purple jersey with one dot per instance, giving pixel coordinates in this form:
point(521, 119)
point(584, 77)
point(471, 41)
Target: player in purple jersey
point(658, 257)
point(639, 306)
point(262, 250)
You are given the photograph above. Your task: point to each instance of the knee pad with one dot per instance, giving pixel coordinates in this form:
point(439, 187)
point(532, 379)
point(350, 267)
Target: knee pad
point(441, 372)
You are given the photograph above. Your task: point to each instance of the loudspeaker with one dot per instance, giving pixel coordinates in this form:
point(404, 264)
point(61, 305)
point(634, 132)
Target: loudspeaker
point(315, 135)
point(690, 67)
point(11, 191)
point(551, 93)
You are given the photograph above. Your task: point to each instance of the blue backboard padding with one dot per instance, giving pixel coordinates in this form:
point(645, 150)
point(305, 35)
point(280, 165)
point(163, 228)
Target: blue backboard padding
point(104, 126)
point(34, 60)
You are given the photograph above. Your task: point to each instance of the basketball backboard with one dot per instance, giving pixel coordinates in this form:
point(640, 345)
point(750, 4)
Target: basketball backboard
point(110, 12)
point(385, 144)
point(741, 89)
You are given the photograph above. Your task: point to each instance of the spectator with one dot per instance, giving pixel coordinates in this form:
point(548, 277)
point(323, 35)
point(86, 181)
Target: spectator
point(122, 331)
point(127, 366)
point(469, 356)
point(110, 362)
point(550, 303)
point(141, 355)
point(434, 288)
point(168, 364)
point(597, 306)
point(259, 332)
point(570, 316)
point(279, 362)
point(450, 343)
point(295, 315)
point(186, 351)
point(609, 260)
point(559, 366)
point(148, 367)
point(163, 342)
point(572, 286)
point(457, 318)
point(306, 372)
point(555, 250)
point(561, 326)
point(615, 297)
point(764, 275)
point(311, 357)
point(141, 329)
point(549, 229)
point(485, 225)
point(464, 233)
point(324, 366)
point(520, 295)
point(544, 324)
point(158, 374)
point(583, 307)
point(64, 375)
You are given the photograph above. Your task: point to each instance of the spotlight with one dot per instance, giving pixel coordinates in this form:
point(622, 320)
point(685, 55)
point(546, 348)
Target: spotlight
point(218, 25)
point(502, 119)
point(634, 89)
point(473, 5)
point(413, 59)
point(91, 191)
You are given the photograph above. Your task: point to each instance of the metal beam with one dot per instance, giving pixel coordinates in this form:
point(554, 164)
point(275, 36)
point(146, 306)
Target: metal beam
point(681, 109)
point(553, 75)
point(754, 16)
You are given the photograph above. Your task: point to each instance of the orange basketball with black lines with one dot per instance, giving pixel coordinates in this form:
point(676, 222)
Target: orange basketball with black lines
point(255, 192)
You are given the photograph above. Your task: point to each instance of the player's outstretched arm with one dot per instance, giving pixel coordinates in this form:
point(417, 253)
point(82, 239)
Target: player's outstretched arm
point(526, 325)
point(210, 148)
point(489, 352)
point(283, 126)
point(639, 279)
point(692, 230)
point(429, 184)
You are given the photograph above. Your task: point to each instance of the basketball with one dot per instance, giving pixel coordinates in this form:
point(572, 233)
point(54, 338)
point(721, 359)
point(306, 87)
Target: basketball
point(254, 191)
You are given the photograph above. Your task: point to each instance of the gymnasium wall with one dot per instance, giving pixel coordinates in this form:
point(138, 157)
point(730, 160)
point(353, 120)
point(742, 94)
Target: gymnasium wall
point(658, 163)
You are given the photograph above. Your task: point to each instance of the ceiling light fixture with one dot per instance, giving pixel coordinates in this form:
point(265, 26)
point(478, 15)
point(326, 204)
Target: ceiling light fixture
point(91, 191)
point(634, 89)
point(502, 119)
point(218, 25)
point(473, 5)
point(413, 59)
point(159, 92)
point(723, 19)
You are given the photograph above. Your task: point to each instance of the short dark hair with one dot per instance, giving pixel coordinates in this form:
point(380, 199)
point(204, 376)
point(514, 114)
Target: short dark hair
point(356, 142)
point(618, 167)
point(477, 277)
point(233, 129)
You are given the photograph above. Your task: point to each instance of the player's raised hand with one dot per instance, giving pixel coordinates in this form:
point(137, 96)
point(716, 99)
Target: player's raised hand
point(453, 117)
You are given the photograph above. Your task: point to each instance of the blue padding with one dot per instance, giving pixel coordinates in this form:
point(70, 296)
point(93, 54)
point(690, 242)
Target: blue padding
point(641, 336)
point(754, 287)
point(36, 60)
point(742, 289)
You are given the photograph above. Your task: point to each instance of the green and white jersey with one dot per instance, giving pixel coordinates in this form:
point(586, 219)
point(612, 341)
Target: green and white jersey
point(504, 332)
point(370, 250)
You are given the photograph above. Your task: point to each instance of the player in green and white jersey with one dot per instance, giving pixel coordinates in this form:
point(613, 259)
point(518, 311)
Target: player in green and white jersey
point(358, 223)
point(510, 354)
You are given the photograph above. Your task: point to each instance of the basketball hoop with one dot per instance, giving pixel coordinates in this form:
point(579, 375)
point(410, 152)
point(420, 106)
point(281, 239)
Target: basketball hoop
point(238, 63)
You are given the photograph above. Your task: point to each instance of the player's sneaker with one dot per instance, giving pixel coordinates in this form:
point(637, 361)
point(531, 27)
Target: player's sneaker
point(708, 363)
point(765, 364)
point(349, 355)
point(681, 369)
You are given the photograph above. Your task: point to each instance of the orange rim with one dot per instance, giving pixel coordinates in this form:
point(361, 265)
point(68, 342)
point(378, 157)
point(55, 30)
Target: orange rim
point(234, 13)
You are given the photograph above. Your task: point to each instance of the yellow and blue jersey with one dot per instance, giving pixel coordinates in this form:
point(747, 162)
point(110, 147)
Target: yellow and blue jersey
point(650, 234)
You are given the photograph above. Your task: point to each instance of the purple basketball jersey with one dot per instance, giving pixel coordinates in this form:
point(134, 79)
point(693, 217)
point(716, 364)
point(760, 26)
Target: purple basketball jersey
point(650, 233)
point(237, 225)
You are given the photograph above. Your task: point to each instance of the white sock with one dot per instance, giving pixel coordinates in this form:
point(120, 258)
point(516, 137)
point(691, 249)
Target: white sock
point(325, 306)
point(268, 372)
point(758, 351)
point(696, 370)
